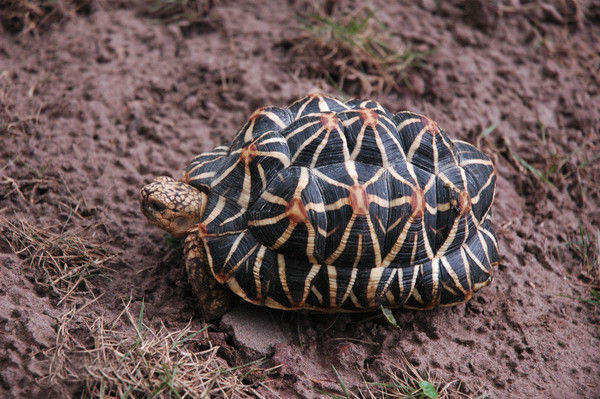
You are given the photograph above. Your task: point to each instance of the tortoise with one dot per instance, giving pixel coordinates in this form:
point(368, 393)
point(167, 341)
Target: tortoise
point(333, 206)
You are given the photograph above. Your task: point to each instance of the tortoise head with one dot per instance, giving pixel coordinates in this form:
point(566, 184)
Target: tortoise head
point(172, 205)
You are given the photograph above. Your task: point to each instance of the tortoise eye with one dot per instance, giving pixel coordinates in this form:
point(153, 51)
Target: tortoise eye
point(157, 206)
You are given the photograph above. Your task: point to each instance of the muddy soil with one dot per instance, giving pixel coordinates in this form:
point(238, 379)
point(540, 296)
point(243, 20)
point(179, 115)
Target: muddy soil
point(96, 105)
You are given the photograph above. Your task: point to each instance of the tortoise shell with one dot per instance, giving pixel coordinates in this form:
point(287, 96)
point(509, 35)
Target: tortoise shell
point(345, 206)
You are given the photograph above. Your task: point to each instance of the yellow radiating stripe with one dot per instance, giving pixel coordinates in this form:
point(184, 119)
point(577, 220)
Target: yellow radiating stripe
point(244, 198)
point(323, 107)
point(407, 122)
point(302, 182)
point(400, 201)
point(359, 140)
point(337, 204)
point(307, 142)
point(477, 161)
point(453, 274)
point(248, 133)
point(237, 265)
point(310, 243)
point(399, 242)
point(263, 178)
point(448, 288)
point(475, 199)
point(282, 239)
point(281, 157)
point(345, 150)
point(467, 268)
point(416, 144)
point(487, 233)
point(477, 261)
point(308, 282)
point(343, 241)
point(274, 199)
point(216, 211)
point(484, 246)
point(268, 221)
point(413, 254)
point(393, 137)
point(204, 175)
point(413, 292)
point(237, 215)
point(328, 179)
point(320, 147)
point(350, 285)
point(275, 118)
point(375, 177)
point(282, 277)
point(451, 234)
point(234, 246)
point(387, 284)
point(351, 169)
point(435, 277)
point(339, 102)
point(332, 279)
point(300, 129)
point(381, 147)
point(256, 270)
point(374, 278)
point(411, 170)
point(436, 157)
point(374, 241)
point(349, 122)
point(428, 249)
point(443, 207)
point(397, 176)
point(277, 139)
point(448, 146)
point(448, 182)
point(225, 173)
point(314, 206)
point(382, 202)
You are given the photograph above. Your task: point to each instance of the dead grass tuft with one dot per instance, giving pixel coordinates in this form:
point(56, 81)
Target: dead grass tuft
point(64, 262)
point(128, 358)
point(24, 16)
point(176, 11)
point(353, 52)
point(586, 246)
point(403, 380)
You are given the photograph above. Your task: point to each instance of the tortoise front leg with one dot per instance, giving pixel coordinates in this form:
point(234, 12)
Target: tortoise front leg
point(214, 298)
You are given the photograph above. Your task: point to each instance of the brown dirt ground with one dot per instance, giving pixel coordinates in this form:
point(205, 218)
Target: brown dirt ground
point(97, 104)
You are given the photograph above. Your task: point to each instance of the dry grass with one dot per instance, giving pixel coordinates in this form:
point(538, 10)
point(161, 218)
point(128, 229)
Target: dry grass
point(176, 11)
point(129, 358)
point(65, 262)
point(354, 52)
point(586, 246)
point(24, 16)
point(402, 380)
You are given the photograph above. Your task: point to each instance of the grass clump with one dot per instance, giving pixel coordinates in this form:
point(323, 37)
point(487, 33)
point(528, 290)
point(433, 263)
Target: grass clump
point(402, 380)
point(353, 52)
point(191, 16)
point(24, 16)
point(64, 262)
point(130, 359)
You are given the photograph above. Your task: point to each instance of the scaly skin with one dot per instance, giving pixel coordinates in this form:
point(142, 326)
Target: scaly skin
point(214, 298)
point(176, 207)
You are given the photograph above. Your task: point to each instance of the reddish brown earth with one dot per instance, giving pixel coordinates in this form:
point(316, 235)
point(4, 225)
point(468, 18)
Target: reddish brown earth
point(95, 106)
